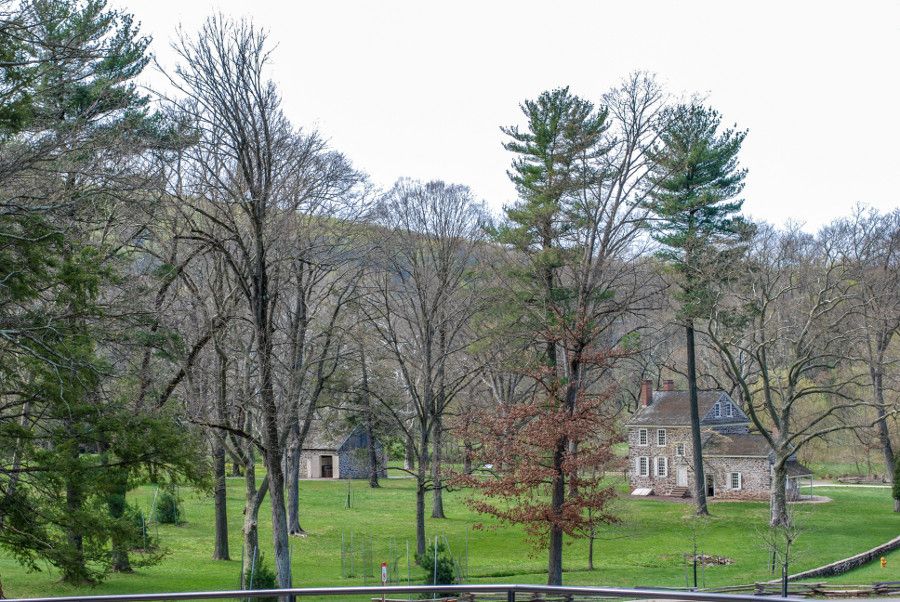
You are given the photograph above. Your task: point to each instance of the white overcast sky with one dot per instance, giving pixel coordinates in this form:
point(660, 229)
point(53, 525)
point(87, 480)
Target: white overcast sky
point(419, 89)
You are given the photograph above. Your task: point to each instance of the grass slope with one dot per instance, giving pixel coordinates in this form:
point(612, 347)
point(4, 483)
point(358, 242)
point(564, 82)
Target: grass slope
point(646, 549)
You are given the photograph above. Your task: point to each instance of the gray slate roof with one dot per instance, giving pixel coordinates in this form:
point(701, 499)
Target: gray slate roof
point(672, 408)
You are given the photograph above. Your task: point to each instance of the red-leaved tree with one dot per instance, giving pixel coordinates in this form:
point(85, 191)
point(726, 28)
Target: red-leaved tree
point(544, 456)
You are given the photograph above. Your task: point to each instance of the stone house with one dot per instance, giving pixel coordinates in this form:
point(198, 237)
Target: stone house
point(737, 463)
point(342, 455)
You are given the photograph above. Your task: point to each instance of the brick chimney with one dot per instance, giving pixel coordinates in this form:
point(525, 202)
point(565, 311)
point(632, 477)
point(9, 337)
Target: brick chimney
point(646, 393)
point(668, 385)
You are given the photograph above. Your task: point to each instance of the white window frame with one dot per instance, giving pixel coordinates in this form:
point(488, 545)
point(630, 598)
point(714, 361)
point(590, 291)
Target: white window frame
point(717, 410)
point(679, 449)
point(643, 466)
point(740, 481)
point(729, 410)
point(661, 468)
point(661, 436)
point(642, 438)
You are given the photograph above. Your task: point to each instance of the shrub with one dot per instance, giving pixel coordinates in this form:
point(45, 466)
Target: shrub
point(140, 536)
point(396, 450)
point(261, 576)
point(446, 572)
point(168, 509)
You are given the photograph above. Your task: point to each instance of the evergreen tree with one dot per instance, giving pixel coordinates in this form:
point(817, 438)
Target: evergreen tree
point(558, 160)
point(73, 130)
point(697, 178)
point(555, 157)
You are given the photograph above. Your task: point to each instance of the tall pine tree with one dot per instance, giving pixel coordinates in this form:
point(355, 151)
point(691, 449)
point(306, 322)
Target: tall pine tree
point(557, 157)
point(696, 219)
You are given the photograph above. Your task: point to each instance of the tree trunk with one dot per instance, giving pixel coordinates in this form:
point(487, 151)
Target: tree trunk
point(884, 435)
point(74, 572)
point(591, 539)
point(467, 457)
point(279, 521)
point(558, 495)
point(437, 509)
point(252, 502)
point(421, 480)
point(420, 513)
point(374, 464)
point(269, 414)
point(409, 463)
point(116, 502)
point(696, 443)
point(220, 549)
point(779, 514)
point(293, 477)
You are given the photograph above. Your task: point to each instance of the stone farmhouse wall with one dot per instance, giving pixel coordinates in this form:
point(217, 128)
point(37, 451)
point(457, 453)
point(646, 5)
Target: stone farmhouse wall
point(756, 477)
point(755, 472)
point(662, 485)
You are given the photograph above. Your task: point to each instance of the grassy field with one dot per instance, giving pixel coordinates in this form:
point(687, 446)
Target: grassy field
point(647, 548)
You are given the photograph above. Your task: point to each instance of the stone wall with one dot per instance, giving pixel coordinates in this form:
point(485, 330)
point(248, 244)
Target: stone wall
point(674, 436)
point(755, 472)
point(756, 477)
point(355, 463)
point(355, 456)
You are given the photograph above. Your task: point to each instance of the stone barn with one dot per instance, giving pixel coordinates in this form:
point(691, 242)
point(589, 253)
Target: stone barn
point(737, 463)
point(340, 456)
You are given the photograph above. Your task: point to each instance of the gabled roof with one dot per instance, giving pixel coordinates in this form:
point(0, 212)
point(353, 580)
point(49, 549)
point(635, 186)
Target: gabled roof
point(322, 438)
point(742, 444)
point(672, 408)
point(795, 469)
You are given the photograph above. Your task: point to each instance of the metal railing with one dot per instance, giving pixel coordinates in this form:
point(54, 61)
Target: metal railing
point(511, 592)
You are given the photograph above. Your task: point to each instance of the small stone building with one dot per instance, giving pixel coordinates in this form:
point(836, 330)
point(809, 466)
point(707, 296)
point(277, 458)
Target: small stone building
point(737, 463)
point(339, 456)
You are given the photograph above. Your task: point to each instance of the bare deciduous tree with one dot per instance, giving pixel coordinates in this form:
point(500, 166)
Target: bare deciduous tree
point(783, 337)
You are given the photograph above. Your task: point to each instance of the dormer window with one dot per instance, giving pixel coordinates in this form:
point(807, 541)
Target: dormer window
point(729, 410)
point(717, 410)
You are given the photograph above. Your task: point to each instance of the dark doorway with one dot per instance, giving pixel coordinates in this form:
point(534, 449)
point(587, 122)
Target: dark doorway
point(327, 468)
point(710, 486)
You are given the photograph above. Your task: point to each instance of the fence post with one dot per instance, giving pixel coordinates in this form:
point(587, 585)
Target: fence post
point(510, 595)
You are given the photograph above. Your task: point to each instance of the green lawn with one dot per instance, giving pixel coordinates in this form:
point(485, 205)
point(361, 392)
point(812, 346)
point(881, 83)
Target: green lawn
point(646, 549)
